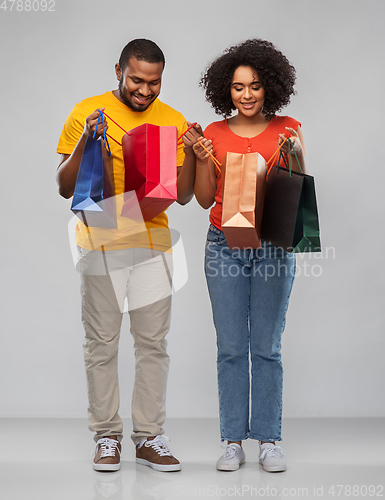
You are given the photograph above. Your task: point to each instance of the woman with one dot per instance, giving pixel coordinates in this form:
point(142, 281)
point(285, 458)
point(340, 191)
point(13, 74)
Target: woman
point(249, 289)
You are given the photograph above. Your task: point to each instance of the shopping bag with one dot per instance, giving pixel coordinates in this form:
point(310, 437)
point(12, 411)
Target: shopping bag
point(290, 215)
point(94, 195)
point(243, 188)
point(149, 153)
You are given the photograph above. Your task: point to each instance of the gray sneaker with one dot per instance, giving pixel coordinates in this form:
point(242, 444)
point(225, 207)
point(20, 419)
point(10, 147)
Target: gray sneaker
point(232, 458)
point(271, 458)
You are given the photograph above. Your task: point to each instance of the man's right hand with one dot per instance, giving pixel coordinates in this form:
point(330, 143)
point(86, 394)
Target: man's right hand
point(69, 166)
point(90, 125)
point(191, 137)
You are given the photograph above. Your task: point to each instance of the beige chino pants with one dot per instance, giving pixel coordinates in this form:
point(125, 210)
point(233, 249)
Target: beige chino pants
point(143, 276)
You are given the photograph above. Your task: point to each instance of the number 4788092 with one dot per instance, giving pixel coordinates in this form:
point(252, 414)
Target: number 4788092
point(28, 5)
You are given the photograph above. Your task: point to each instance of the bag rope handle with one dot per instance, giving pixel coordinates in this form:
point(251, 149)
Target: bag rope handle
point(271, 160)
point(217, 164)
point(113, 121)
point(125, 131)
point(274, 156)
point(288, 165)
point(278, 152)
point(295, 154)
point(117, 124)
point(105, 140)
point(117, 142)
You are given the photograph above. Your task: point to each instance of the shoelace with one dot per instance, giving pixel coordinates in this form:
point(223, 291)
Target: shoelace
point(108, 447)
point(230, 451)
point(272, 451)
point(159, 445)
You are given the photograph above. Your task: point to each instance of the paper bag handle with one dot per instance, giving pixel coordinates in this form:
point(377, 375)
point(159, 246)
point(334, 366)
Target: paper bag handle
point(290, 146)
point(217, 164)
point(113, 121)
point(105, 140)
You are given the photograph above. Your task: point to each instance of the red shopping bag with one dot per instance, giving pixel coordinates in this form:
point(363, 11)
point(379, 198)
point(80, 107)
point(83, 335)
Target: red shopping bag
point(149, 153)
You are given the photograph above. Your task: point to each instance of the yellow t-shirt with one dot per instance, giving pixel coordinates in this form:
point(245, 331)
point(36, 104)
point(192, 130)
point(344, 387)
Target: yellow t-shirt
point(150, 234)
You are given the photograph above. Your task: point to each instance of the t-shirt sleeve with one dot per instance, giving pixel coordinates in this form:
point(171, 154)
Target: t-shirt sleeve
point(216, 133)
point(72, 130)
point(293, 123)
point(208, 132)
point(281, 122)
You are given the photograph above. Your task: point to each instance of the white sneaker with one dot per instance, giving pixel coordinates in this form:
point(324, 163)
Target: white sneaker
point(271, 458)
point(232, 458)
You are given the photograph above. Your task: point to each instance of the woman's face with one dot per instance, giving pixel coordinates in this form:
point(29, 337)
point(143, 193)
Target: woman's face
point(246, 91)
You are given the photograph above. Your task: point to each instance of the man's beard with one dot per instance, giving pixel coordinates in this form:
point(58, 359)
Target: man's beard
point(128, 103)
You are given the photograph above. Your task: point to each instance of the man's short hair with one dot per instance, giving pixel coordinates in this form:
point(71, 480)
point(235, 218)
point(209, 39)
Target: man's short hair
point(143, 50)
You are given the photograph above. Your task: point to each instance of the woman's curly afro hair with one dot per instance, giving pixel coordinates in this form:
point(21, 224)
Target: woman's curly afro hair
point(275, 73)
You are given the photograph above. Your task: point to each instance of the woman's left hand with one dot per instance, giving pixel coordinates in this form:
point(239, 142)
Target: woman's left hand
point(294, 139)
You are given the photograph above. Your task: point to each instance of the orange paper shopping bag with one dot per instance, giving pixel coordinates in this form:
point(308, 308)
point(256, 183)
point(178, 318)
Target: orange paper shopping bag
point(243, 189)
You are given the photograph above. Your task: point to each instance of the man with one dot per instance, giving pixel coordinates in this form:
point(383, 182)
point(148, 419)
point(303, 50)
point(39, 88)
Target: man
point(132, 261)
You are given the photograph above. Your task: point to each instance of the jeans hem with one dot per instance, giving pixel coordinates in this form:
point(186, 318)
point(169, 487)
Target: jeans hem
point(236, 439)
point(267, 440)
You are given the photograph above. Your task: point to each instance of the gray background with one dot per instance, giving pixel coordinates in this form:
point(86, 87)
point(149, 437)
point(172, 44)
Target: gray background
point(333, 344)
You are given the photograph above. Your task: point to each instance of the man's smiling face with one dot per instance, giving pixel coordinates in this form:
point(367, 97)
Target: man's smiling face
point(139, 83)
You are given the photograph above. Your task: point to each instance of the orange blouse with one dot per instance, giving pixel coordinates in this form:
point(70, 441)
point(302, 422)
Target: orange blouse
point(224, 141)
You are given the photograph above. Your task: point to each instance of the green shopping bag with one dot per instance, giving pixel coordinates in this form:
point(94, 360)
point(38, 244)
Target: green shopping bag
point(290, 215)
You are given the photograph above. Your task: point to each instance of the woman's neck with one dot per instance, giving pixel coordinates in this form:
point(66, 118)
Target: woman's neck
point(246, 126)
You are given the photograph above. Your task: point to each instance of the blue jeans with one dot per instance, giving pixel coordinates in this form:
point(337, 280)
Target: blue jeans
point(249, 291)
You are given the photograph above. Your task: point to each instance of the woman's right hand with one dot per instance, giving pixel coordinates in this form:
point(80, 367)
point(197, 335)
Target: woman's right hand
point(90, 125)
point(200, 151)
